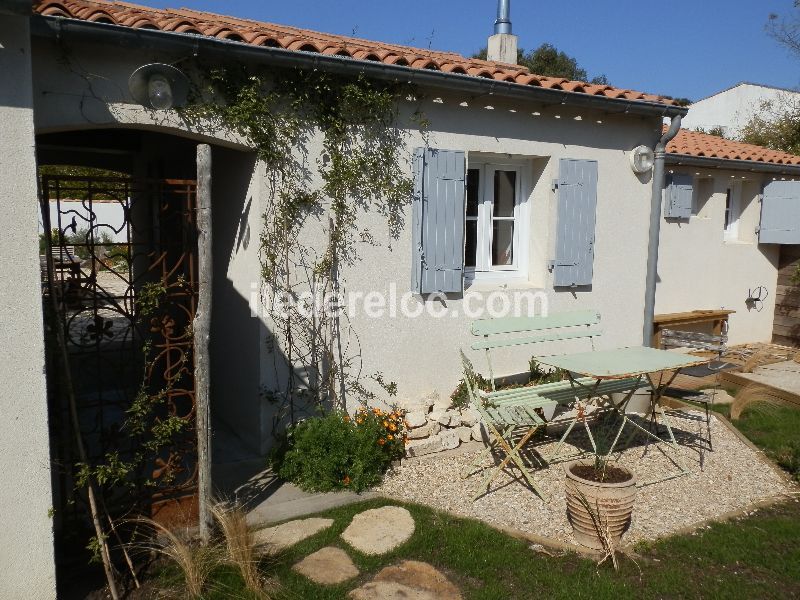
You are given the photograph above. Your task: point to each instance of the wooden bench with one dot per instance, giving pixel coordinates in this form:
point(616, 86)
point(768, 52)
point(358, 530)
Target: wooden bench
point(506, 411)
point(717, 318)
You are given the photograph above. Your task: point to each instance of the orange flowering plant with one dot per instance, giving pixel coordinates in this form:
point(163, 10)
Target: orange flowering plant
point(340, 451)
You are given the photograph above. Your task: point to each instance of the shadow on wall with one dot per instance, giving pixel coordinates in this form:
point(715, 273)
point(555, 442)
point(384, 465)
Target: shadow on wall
point(236, 337)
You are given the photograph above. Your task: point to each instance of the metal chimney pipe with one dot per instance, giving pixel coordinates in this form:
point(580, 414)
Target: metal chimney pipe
point(503, 22)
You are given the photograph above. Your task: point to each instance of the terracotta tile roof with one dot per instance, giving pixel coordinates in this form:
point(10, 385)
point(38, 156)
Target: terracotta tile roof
point(692, 143)
point(188, 21)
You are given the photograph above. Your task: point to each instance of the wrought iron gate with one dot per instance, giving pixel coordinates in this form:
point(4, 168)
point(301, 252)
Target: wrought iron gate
point(119, 274)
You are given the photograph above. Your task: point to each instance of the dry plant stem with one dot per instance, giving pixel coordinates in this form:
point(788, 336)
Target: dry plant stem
point(601, 529)
point(73, 413)
point(195, 567)
point(240, 546)
point(749, 395)
point(124, 551)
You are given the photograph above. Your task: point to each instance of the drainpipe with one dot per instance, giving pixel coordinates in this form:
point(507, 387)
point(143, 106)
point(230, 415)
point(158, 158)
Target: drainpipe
point(503, 22)
point(655, 228)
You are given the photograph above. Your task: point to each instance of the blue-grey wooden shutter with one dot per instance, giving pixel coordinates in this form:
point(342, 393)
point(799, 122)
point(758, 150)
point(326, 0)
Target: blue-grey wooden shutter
point(780, 213)
point(577, 206)
point(679, 196)
point(438, 221)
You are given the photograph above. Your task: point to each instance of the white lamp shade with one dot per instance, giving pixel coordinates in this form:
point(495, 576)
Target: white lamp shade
point(159, 86)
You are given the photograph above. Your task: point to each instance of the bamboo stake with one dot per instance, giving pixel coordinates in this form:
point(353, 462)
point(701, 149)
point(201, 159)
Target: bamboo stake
point(202, 327)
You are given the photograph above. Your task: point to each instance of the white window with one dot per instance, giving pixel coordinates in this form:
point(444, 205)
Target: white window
point(733, 198)
point(495, 222)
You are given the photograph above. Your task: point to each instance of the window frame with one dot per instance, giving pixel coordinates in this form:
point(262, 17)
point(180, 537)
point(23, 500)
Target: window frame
point(484, 271)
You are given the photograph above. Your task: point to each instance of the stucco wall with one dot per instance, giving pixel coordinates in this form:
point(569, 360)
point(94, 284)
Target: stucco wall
point(699, 269)
point(26, 541)
point(420, 354)
point(733, 108)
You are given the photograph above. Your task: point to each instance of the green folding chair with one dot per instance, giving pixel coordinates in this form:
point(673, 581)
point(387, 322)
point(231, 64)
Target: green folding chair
point(504, 420)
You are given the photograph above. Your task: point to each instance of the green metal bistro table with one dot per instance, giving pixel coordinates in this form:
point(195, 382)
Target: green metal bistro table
point(658, 367)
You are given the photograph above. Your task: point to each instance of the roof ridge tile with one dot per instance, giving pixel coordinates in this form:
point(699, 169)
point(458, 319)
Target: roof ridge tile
point(695, 143)
point(250, 31)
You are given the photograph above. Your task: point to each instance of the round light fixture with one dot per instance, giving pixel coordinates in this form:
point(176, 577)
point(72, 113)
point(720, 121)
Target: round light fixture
point(159, 86)
point(642, 158)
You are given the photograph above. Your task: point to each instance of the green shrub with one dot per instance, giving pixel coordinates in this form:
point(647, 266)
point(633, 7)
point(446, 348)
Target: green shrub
point(537, 375)
point(460, 396)
point(337, 451)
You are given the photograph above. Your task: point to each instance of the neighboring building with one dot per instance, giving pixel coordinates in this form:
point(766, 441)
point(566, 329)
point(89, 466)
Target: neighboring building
point(732, 109)
point(731, 211)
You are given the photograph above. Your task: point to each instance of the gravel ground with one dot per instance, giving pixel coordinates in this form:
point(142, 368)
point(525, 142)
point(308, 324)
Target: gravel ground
point(729, 478)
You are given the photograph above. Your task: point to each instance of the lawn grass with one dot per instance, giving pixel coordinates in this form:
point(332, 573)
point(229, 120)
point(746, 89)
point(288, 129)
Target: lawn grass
point(752, 557)
point(773, 428)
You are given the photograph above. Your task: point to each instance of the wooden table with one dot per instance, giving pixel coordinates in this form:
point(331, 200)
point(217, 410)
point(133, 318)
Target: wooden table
point(717, 318)
point(659, 367)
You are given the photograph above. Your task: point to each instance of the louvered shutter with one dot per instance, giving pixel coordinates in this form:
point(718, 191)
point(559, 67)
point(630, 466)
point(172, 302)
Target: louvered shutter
point(679, 196)
point(577, 205)
point(780, 213)
point(438, 221)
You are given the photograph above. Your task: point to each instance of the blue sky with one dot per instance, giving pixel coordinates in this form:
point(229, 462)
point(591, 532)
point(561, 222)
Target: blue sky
point(689, 48)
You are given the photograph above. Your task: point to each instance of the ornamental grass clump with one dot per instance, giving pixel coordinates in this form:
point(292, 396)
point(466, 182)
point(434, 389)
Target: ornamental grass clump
point(339, 451)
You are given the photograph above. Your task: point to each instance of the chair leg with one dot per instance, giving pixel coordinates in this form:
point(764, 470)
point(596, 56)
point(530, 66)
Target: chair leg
point(475, 464)
point(512, 454)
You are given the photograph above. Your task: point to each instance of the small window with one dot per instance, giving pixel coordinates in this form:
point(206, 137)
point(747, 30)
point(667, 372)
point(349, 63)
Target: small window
point(732, 210)
point(492, 230)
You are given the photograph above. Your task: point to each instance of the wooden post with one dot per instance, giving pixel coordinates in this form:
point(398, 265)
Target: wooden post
point(201, 327)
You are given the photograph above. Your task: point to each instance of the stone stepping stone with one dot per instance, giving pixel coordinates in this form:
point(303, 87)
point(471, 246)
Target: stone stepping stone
point(379, 530)
point(408, 580)
point(280, 537)
point(328, 566)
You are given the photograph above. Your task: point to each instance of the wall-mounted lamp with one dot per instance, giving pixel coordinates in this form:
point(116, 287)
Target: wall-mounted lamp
point(159, 86)
point(642, 159)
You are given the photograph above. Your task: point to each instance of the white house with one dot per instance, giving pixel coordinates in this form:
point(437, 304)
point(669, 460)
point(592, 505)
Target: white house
point(731, 210)
point(527, 179)
point(524, 143)
point(732, 108)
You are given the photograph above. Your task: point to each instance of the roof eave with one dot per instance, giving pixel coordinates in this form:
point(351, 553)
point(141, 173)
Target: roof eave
point(63, 28)
point(731, 164)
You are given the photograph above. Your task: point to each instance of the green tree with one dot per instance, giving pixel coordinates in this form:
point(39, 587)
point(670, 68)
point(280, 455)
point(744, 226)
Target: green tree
point(775, 126)
point(550, 61)
point(717, 131)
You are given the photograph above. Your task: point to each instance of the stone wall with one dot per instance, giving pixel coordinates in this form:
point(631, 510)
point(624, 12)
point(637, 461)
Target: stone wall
point(434, 425)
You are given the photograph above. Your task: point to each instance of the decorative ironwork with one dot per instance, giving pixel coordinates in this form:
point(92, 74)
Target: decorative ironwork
point(111, 239)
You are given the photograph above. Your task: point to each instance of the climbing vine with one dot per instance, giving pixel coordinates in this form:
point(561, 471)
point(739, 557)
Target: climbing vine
point(333, 151)
point(149, 419)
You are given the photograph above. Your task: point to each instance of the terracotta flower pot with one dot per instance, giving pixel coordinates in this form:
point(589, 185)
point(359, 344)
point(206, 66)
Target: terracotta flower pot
point(612, 503)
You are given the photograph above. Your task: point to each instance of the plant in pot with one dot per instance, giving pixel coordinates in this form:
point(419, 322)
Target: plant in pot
point(600, 498)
